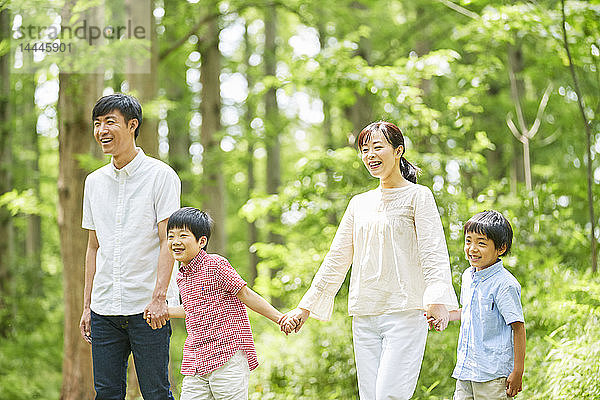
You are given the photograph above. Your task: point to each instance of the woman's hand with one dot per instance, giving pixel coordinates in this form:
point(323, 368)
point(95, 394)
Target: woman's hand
point(294, 318)
point(440, 314)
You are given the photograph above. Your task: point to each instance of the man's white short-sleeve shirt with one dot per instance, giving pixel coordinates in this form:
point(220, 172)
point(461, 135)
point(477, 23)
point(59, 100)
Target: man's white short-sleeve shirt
point(124, 207)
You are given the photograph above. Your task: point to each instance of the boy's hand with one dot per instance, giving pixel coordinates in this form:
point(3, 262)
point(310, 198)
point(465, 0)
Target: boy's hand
point(514, 383)
point(287, 325)
point(156, 313)
point(433, 323)
point(439, 313)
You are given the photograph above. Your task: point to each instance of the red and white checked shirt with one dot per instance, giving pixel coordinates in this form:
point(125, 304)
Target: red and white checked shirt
point(216, 320)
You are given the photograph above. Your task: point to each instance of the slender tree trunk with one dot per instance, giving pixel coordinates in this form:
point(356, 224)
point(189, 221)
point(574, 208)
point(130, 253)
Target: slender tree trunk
point(328, 133)
point(179, 135)
point(588, 136)
point(210, 108)
point(249, 115)
point(5, 172)
point(515, 62)
point(145, 85)
point(361, 112)
point(272, 118)
point(77, 95)
point(33, 240)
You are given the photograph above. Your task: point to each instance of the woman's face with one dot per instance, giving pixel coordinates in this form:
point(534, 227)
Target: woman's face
point(380, 158)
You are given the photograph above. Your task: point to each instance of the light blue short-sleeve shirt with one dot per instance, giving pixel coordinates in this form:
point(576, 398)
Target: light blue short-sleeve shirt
point(491, 301)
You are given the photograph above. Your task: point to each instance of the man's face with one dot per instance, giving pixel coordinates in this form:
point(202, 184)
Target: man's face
point(113, 134)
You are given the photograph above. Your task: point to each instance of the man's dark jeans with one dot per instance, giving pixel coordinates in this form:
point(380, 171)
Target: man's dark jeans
point(113, 339)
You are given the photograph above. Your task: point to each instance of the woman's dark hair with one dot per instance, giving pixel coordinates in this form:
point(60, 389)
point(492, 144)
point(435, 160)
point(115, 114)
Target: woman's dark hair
point(394, 136)
point(493, 225)
point(196, 221)
point(124, 103)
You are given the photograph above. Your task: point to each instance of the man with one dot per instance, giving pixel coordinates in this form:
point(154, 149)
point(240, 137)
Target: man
point(128, 266)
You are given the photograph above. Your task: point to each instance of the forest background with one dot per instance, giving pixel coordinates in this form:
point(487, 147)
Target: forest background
point(256, 104)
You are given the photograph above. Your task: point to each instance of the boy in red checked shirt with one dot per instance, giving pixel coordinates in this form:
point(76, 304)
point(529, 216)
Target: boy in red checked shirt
point(219, 352)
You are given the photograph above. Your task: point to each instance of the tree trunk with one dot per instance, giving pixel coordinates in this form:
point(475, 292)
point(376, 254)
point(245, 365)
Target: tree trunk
point(272, 118)
point(77, 95)
point(33, 239)
point(515, 61)
point(588, 137)
point(144, 85)
point(210, 108)
point(249, 113)
point(5, 171)
point(328, 134)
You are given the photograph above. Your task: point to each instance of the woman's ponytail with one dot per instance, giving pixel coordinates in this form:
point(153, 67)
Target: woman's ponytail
point(409, 171)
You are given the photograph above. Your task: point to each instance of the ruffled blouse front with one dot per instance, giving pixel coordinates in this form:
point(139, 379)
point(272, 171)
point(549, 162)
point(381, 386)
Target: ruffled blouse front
point(395, 242)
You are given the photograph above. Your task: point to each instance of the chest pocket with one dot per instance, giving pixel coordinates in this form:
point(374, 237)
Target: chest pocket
point(490, 318)
point(141, 210)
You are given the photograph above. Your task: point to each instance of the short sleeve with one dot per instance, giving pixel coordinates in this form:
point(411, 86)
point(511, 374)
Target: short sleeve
point(508, 301)
point(173, 296)
point(228, 278)
point(87, 221)
point(168, 195)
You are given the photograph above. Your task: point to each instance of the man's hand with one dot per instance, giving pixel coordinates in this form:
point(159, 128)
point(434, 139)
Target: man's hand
point(85, 325)
point(156, 313)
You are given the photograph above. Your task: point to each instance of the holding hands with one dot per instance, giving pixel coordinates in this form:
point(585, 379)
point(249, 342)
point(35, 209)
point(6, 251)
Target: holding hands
point(293, 320)
point(437, 316)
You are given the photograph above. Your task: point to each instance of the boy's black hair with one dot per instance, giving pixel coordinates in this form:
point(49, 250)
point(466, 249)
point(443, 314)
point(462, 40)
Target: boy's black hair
point(127, 105)
point(196, 221)
point(493, 225)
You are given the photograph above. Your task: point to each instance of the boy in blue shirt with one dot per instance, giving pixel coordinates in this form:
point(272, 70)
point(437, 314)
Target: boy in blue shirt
point(491, 345)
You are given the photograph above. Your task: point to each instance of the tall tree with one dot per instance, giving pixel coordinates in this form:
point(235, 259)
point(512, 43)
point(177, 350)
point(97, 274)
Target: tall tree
point(251, 184)
point(273, 124)
point(210, 133)
point(5, 164)
point(588, 137)
point(145, 85)
point(28, 119)
point(77, 94)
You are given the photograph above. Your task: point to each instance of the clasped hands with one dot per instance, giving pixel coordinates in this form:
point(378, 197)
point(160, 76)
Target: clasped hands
point(293, 320)
point(437, 316)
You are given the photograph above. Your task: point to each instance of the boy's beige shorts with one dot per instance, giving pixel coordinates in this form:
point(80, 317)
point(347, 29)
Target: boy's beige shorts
point(491, 390)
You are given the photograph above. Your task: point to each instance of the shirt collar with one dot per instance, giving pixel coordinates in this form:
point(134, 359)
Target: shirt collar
point(487, 272)
point(132, 166)
point(194, 265)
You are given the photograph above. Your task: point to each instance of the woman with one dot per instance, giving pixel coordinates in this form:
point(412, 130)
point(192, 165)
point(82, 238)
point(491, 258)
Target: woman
point(394, 239)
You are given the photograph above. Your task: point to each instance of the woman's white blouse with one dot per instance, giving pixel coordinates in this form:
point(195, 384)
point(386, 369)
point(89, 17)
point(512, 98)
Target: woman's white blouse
point(395, 241)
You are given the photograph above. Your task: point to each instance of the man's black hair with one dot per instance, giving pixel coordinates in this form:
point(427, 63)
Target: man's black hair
point(127, 105)
point(493, 225)
point(196, 221)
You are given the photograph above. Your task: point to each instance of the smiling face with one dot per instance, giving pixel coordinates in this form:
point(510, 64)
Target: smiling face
point(113, 134)
point(183, 244)
point(481, 251)
point(380, 157)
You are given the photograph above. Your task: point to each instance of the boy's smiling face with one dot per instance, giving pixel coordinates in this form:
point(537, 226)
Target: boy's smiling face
point(481, 251)
point(183, 244)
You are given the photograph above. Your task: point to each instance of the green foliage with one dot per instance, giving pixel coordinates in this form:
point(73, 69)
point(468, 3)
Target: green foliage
point(574, 364)
point(442, 76)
